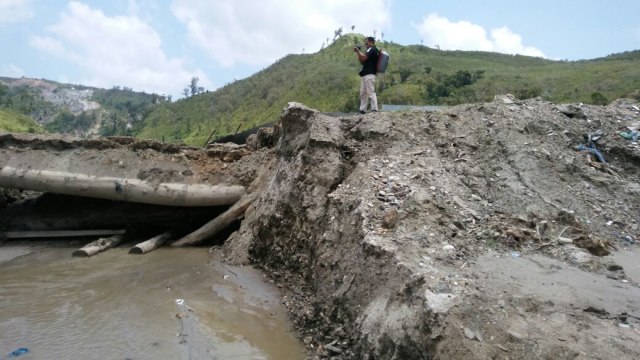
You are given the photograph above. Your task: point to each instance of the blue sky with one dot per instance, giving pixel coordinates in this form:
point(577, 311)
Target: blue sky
point(158, 45)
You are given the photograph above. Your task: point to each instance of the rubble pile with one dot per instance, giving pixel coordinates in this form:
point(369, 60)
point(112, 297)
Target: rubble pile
point(428, 234)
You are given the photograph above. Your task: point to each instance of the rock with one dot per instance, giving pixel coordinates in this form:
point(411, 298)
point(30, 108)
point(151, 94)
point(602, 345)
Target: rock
point(471, 335)
point(448, 247)
point(614, 267)
point(514, 335)
point(507, 99)
point(390, 219)
point(333, 349)
point(564, 241)
point(571, 111)
point(439, 303)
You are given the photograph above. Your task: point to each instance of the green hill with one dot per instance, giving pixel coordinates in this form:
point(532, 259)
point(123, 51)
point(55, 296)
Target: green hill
point(11, 121)
point(417, 75)
point(326, 80)
point(77, 109)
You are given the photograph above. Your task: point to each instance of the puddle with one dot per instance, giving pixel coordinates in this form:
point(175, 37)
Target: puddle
point(120, 306)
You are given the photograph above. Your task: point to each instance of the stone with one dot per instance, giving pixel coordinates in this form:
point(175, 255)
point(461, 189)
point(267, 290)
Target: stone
point(439, 303)
point(390, 219)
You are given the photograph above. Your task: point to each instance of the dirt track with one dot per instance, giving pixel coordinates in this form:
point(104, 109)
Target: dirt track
point(478, 231)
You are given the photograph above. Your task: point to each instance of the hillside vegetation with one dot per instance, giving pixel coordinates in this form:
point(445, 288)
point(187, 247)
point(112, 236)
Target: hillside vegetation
point(417, 75)
point(11, 121)
point(328, 81)
point(78, 109)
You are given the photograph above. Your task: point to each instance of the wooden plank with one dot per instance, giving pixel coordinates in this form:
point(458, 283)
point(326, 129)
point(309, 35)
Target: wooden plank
point(57, 233)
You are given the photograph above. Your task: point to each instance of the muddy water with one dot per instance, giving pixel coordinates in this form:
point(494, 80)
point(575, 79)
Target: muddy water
point(168, 304)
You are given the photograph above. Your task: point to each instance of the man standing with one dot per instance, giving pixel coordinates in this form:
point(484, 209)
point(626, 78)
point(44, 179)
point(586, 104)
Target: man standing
point(369, 61)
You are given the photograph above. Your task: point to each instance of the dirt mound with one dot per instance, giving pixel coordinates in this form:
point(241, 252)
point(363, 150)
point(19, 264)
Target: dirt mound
point(384, 226)
point(149, 160)
point(499, 230)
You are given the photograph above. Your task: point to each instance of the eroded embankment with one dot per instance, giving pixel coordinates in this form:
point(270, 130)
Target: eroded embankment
point(478, 231)
point(377, 226)
point(309, 236)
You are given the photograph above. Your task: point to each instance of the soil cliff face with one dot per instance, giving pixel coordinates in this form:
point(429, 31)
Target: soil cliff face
point(472, 232)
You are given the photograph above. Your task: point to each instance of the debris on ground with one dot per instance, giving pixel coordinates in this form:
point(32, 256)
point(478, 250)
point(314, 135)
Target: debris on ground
point(474, 231)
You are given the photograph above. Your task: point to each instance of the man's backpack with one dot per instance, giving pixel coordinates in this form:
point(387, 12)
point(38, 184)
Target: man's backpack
point(383, 61)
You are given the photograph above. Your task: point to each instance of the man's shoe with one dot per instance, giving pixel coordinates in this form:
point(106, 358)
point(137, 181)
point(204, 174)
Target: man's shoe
point(361, 112)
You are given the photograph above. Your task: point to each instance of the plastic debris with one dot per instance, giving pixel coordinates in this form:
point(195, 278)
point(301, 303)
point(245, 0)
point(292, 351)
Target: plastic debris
point(591, 139)
point(17, 352)
point(592, 150)
point(627, 238)
point(630, 135)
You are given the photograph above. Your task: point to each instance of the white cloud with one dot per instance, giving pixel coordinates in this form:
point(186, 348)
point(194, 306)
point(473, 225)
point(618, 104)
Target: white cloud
point(118, 50)
point(506, 41)
point(13, 11)
point(463, 35)
point(48, 45)
point(12, 70)
point(259, 32)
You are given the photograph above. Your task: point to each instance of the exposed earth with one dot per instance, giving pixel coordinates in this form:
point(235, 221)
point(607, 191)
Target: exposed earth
point(476, 231)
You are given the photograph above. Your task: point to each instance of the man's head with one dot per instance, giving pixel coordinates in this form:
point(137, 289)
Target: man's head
point(370, 41)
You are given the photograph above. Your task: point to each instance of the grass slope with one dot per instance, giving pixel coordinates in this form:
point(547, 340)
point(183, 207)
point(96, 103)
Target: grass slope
point(11, 121)
point(418, 75)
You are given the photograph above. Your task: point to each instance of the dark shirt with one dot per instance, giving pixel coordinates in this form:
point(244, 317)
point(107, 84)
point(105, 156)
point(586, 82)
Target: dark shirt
point(369, 66)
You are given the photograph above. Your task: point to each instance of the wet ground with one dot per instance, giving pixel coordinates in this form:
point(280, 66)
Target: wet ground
point(168, 304)
point(555, 282)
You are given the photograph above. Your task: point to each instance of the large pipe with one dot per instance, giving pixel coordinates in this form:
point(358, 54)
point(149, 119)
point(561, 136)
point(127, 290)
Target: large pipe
point(123, 189)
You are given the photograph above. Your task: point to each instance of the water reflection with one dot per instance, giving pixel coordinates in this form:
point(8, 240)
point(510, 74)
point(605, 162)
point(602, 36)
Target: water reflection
point(120, 306)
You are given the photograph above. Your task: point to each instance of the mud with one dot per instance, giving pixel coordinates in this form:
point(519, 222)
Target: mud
point(476, 231)
point(179, 304)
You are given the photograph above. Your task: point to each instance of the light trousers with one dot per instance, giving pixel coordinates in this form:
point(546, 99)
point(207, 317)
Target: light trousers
point(368, 91)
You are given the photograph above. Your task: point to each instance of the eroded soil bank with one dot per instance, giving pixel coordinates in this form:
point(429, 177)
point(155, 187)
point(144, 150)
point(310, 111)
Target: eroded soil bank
point(477, 231)
point(474, 232)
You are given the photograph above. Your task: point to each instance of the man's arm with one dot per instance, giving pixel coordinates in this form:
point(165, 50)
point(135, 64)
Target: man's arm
point(361, 57)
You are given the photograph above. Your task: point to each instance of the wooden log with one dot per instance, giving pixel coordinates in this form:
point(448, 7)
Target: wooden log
point(153, 243)
point(98, 246)
point(214, 226)
point(123, 189)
